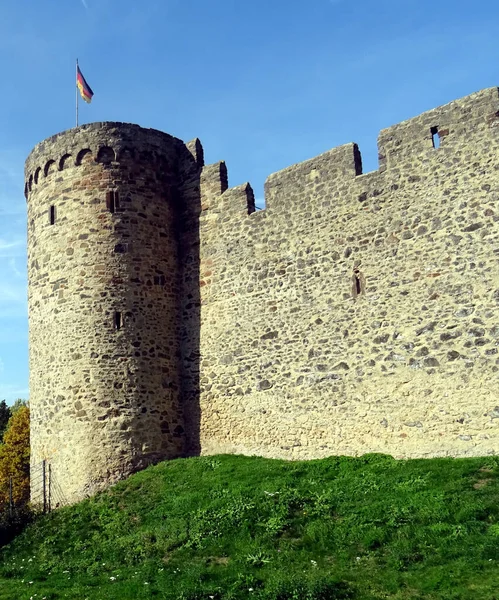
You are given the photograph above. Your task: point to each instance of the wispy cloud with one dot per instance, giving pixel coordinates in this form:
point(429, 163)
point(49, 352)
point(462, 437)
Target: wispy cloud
point(84, 2)
point(15, 270)
point(12, 255)
point(11, 247)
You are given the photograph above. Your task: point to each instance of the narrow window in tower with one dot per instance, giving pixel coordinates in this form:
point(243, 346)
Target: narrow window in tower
point(113, 201)
point(52, 215)
point(117, 320)
point(435, 137)
point(110, 202)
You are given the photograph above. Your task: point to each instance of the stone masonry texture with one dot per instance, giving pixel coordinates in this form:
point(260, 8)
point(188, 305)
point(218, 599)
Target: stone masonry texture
point(356, 313)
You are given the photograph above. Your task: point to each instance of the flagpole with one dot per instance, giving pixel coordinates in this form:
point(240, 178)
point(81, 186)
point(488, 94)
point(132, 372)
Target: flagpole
point(76, 88)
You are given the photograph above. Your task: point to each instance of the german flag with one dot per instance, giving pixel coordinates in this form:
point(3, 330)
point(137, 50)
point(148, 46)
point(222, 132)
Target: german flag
point(82, 85)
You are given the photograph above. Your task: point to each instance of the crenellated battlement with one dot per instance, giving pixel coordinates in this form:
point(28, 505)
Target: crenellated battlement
point(428, 138)
point(415, 138)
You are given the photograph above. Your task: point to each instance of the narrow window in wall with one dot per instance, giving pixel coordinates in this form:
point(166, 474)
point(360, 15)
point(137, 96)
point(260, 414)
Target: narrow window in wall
point(52, 215)
point(358, 283)
point(435, 137)
point(113, 201)
point(117, 320)
point(358, 287)
point(159, 280)
point(110, 201)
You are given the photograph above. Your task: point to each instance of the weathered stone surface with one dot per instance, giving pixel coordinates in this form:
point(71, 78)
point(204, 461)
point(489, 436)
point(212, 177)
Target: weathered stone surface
point(356, 313)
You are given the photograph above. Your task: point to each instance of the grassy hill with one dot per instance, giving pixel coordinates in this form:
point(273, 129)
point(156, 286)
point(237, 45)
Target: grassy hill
point(234, 527)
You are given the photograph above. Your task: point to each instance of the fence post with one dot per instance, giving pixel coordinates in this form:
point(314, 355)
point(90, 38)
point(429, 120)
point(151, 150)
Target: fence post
point(11, 501)
point(44, 483)
point(50, 488)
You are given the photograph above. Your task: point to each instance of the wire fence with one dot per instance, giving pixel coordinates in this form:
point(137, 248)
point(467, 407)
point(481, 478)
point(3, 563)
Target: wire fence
point(45, 492)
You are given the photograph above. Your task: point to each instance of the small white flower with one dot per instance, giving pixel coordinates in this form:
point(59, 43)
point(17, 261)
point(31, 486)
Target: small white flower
point(161, 570)
point(146, 583)
point(30, 582)
point(112, 578)
point(250, 589)
point(65, 571)
point(357, 558)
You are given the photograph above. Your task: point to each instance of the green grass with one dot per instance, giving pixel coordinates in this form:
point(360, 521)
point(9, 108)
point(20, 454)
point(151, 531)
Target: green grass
point(234, 527)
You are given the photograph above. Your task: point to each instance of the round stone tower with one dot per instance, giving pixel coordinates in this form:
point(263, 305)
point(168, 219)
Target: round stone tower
point(103, 304)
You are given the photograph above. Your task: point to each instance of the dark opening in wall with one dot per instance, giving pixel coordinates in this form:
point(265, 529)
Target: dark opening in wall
point(159, 280)
point(113, 201)
point(435, 137)
point(358, 287)
point(357, 157)
point(358, 283)
point(121, 248)
point(117, 320)
point(52, 215)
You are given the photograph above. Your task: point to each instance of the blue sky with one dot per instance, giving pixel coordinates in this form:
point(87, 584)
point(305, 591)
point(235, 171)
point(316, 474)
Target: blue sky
point(263, 84)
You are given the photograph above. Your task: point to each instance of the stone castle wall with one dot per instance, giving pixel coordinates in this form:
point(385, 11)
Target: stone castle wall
point(356, 313)
point(302, 357)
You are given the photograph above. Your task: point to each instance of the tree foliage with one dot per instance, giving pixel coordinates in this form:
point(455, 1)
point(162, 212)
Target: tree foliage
point(14, 458)
point(19, 403)
point(4, 417)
